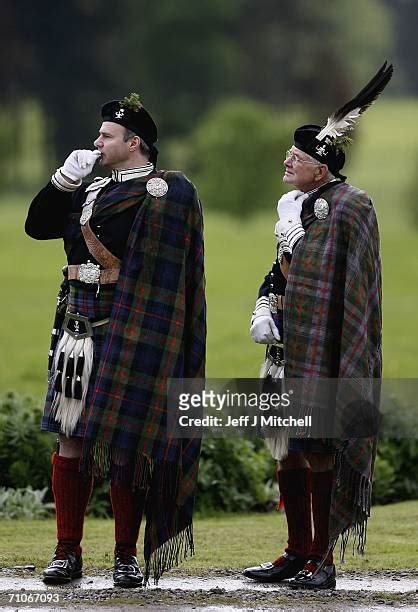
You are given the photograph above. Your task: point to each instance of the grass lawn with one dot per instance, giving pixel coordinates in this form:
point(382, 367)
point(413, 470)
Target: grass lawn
point(224, 541)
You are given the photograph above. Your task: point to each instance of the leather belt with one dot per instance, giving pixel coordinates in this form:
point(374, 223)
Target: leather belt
point(90, 273)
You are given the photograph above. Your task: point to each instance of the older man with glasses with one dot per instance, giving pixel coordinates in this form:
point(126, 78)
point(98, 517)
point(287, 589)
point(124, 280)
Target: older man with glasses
point(319, 310)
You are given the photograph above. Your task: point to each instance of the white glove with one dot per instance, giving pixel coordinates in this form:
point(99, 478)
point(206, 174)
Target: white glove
point(263, 329)
point(79, 164)
point(289, 228)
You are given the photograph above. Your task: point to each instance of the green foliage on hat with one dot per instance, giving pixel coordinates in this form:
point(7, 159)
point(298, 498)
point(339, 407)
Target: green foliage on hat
point(132, 102)
point(343, 142)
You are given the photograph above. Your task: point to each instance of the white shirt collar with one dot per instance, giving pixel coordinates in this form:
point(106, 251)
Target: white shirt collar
point(126, 175)
point(327, 183)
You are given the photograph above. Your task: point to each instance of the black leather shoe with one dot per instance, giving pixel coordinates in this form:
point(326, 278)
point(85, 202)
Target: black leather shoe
point(312, 578)
point(64, 567)
point(127, 573)
point(267, 572)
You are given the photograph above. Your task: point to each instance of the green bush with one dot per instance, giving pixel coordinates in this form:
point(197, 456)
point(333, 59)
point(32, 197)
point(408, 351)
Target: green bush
point(395, 471)
point(25, 455)
point(23, 503)
point(25, 451)
point(236, 154)
point(100, 505)
point(383, 480)
point(235, 475)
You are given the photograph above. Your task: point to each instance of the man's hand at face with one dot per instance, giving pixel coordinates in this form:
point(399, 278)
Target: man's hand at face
point(79, 164)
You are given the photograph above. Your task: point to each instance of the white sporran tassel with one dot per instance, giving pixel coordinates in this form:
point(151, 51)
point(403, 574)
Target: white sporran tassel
point(269, 367)
point(69, 354)
point(279, 444)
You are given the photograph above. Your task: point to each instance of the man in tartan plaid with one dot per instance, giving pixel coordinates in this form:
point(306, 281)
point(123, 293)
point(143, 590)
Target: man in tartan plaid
point(323, 297)
point(122, 330)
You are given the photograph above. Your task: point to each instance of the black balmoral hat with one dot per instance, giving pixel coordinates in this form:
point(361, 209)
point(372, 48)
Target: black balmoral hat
point(326, 143)
point(130, 113)
point(329, 153)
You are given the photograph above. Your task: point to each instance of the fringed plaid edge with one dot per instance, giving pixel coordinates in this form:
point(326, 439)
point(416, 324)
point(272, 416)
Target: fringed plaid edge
point(170, 554)
point(355, 489)
point(141, 472)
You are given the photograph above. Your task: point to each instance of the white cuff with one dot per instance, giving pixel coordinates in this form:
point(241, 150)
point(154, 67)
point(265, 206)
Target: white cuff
point(283, 248)
point(295, 233)
point(62, 184)
point(262, 308)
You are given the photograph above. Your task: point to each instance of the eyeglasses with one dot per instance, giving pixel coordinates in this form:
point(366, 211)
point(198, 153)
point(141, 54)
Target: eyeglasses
point(296, 160)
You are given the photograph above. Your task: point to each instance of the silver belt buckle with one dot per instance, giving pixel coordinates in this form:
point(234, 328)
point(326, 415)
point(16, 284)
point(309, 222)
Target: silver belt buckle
point(77, 326)
point(273, 303)
point(89, 273)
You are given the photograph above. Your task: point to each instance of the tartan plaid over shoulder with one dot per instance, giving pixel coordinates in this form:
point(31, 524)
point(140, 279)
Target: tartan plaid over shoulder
point(332, 329)
point(157, 330)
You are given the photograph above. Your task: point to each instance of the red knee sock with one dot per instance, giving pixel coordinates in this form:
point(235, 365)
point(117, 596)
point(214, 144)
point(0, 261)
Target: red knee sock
point(128, 506)
point(72, 492)
point(295, 491)
point(321, 503)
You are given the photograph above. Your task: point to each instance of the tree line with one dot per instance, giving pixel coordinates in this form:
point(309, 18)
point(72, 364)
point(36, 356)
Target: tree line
point(183, 57)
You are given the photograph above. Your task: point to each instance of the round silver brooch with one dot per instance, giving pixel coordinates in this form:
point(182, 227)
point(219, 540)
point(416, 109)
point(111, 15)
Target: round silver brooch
point(321, 208)
point(157, 187)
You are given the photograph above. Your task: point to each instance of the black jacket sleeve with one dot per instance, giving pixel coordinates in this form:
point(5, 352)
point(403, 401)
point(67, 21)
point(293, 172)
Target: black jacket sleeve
point(48, 213)
point(274, 281)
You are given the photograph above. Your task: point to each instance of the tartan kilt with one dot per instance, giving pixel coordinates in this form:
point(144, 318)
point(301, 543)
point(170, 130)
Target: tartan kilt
point(82, 300)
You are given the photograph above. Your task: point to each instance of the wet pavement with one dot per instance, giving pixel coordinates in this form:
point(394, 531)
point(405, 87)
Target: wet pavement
point(287, 608)
point(362, 582)
point(23, 589)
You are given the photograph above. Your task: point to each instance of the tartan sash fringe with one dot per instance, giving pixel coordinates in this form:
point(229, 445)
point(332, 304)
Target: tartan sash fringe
point(356, 490)
point(143, 472)
point(358, 533)
point(107, 462)
point(170, 554)
point(159, 477)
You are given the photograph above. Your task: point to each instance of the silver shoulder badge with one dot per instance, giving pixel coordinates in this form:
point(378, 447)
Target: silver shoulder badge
point(157, 187)
point(321, 208)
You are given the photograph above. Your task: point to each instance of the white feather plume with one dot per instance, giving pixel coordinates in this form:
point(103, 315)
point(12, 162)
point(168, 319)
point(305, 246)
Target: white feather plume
point(344, 119)
point(337, 127)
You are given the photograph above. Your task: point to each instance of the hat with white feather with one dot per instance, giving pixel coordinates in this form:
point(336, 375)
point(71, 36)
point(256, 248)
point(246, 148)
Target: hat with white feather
point(326, 144)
